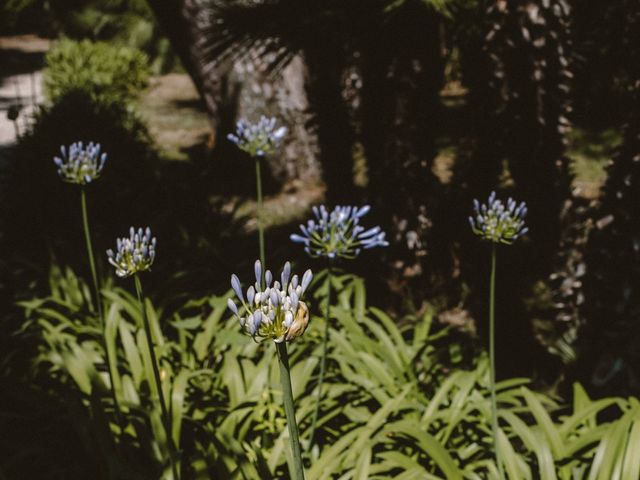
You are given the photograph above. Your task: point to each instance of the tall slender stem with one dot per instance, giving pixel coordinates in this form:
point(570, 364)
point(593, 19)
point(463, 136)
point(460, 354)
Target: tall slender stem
point(260, 212)
point(156, 377)
point(98, 302)
point(287, 393)
point(492, 361)
point(323, 360)
point(92, 263)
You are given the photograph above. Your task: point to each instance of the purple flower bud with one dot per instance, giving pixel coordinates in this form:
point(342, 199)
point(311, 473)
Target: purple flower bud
point(257, 268)
point(275, 298)
point(369, 233)
point(286, 272)
point(363, 211)
point(288, 319)
point(232, 306)
point(294, 299)
point(306, 280)
point(235, 285)
point(298, 239)
point(254, 324)
point(280, 133)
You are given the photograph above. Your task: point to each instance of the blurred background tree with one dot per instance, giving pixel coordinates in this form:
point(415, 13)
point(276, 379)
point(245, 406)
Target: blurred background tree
point(609, 343)
point(125, 22)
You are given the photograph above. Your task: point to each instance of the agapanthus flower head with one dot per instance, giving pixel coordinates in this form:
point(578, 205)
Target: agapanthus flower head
point(80, 164)
point(338, 233)
point(133, 254)
point(275, 311)
point(499, 222)
point(258, 139)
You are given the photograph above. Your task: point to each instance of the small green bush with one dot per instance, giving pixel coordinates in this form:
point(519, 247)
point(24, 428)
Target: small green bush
point(104, 72)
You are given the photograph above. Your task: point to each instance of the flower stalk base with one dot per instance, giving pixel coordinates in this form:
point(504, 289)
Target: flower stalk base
point(492, 361)
point(287, 393)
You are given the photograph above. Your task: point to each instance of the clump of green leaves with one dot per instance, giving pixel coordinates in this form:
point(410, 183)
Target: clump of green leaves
point(392, 406)
point(106, 73)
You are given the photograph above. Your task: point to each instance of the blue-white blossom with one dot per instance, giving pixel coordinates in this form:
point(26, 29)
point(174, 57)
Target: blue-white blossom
point(258, 139)
point(339, 233)
point(80, 164)
point(497, 222)
point(134, 254)
point(275, 311)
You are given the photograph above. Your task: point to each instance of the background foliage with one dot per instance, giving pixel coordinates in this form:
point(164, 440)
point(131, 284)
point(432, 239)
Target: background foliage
point(104, 72)
point(126, 23)
point(399, 402)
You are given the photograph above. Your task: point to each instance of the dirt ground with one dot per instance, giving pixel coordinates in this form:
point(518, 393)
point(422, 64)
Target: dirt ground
point(174, 115)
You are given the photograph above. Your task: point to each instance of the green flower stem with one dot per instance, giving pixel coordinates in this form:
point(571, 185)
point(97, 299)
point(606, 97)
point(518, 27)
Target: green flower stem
point(287, 393)
point(323, 360)
point(98, 300)
point(492, 361)
point(92, 263)
point(260, 214)
point(156, 377)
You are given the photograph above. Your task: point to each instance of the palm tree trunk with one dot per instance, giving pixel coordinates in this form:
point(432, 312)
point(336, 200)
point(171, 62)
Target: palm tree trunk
point(611, 337)
point(402, 78)
point(239, 89)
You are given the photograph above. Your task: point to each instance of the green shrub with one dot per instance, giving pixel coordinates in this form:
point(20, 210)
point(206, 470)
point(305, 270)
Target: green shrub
point(127, 22)
point(105, 72)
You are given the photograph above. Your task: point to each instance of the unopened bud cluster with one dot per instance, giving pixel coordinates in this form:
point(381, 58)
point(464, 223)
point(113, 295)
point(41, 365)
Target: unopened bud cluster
point(258, 139)
point(497, 222)
point(273, 309)
point(80, 164)
point(134, 254)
